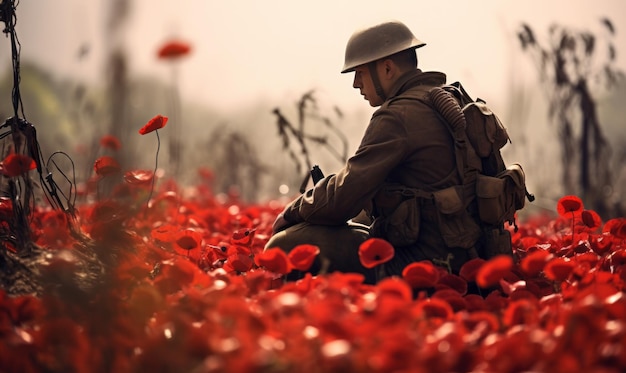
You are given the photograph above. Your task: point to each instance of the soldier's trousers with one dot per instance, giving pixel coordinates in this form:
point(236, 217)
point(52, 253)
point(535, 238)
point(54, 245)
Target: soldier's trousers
point(339, 247)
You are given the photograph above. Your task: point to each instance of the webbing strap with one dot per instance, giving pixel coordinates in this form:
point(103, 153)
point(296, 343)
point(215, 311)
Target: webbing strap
point(376, 80)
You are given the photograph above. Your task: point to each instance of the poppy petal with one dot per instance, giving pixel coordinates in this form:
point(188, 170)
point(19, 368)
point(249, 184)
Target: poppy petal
point(240, 262)
point(616, 227)
point(433, 308)
point(470, 268)
point(535, 261)
point(164, 233)
point(420, 275)
point(559, 269)
point(375, 251)
point(591, 219)
point(106, 165)
point(242, 236)
point(274, 260)
point(186, 240)
point(569, 204)
point(303, 256)
point(493, 270)
point(173, 49)
point(454, 282)
point(157, 122)
point(395, 286)
point(17, 164)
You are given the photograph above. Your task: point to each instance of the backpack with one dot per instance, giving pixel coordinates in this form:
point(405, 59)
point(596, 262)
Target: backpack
point(499, 190)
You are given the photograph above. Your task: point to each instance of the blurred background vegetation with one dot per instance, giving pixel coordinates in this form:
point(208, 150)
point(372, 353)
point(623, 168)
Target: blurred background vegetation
point(562, 100)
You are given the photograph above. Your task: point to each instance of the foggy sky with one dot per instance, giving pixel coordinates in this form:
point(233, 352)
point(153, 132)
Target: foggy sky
point(277, 49)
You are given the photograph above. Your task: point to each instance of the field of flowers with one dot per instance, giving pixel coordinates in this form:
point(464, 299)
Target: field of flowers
point(175, 279)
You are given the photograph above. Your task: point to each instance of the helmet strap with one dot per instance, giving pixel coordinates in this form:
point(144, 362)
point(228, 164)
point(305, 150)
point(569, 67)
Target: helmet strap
point(376, 80)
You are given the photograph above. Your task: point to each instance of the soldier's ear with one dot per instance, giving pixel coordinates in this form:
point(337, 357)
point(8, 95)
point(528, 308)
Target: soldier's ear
point(389, 68)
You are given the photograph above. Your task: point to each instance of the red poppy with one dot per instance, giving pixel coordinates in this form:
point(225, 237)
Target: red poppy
point(433, 308)
point(453, 282)
point(616, 227)
point(602, 244)
point(534, 262)
point(186, 240)
point(375, 251)
point(303, 256)
point(110, 142)
point(559, 269)
point(345, 280)
point(238, 249)
point(17, 164)
point(568, 205)
point(452, 297)
point(239, 262)
point(157, 122)
point(396, 287)
point(243, 236)
point(175, 274)
point(520, 312)
point(106, 165)
point(470, 268)
point(274, 260)
point(495, 302)
point(420, 275)
point(591, 219)
point(475, 303)
point(174, 49)
point(493, 270)
point(480, 321)
point(164, 233)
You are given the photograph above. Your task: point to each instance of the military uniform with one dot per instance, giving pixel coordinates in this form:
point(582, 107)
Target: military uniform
point(406, 144)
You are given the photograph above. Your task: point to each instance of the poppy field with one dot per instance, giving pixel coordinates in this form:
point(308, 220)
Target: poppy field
point(160, 277)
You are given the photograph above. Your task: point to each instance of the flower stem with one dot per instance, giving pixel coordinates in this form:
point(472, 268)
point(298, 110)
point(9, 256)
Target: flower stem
point(156, 165)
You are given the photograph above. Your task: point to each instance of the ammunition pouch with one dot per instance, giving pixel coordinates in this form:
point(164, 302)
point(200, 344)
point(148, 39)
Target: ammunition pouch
point(499, 197)
point(402, 226)
point(400, 215)
point(458, 228)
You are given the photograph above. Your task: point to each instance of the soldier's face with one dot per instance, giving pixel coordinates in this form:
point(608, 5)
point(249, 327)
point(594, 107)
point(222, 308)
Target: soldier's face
point(363, 82)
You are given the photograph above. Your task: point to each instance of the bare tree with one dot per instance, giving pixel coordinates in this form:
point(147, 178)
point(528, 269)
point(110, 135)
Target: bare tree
point(569, 63)
point(308, 112)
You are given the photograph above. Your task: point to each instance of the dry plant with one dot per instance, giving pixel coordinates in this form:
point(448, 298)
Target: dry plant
point(568, 65)
point(308, 112)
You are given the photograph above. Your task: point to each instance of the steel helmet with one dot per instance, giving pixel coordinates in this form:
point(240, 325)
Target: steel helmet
point(378, 41)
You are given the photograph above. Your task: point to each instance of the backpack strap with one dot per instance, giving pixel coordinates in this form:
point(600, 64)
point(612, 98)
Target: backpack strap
point(445, 105)
point(461, 94)
point(449, 109)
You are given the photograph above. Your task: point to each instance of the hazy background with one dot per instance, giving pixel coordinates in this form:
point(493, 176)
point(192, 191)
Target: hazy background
point(249, 57)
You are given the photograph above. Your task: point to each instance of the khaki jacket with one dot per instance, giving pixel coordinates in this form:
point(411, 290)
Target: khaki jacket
point(405, 143)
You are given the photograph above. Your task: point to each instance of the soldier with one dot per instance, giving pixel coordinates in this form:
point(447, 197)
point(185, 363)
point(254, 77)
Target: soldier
point(387, 188)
